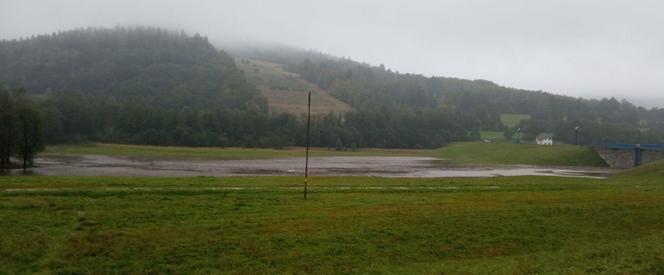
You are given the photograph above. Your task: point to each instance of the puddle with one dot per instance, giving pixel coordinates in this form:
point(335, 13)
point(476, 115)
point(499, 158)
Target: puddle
point(423, 167)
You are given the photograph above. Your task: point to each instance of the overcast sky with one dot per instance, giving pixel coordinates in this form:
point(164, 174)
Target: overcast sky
point(588, 48)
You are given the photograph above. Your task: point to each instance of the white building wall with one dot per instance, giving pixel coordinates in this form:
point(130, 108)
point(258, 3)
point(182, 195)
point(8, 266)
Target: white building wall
point(546, 141)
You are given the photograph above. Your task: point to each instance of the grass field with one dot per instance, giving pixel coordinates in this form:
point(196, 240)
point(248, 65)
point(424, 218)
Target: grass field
point(184, 225)
point(286, 92)
point(492, 135)
point(512, 120)
point(214, 152)
point(508, 153)
point(458, 153)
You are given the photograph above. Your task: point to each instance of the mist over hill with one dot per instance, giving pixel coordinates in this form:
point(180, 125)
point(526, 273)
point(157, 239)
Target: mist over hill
point(154, 86)
point(368, 87)
point(143, 65)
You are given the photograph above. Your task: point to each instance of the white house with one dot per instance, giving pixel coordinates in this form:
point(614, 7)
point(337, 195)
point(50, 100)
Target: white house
point(544, 139)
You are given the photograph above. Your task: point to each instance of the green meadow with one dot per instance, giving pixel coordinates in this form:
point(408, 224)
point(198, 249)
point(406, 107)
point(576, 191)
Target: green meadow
point(512, 120)
point(466, 153)
point(492, 135)
point(124, 150)
point(512, 154)
point(263, 225)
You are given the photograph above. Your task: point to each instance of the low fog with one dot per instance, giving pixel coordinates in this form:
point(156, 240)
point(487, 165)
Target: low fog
point(592, 48)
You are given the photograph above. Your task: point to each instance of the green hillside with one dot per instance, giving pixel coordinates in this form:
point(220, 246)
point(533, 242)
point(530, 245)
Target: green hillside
point(486, 105)
point(152, 86)
point(654, 169)
point(528, 154)
point(152, 67)
point(285, 91)
point(512, 120)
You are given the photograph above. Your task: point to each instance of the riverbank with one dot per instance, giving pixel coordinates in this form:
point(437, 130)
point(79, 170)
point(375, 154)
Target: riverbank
point(463, 153)
point(375, 166)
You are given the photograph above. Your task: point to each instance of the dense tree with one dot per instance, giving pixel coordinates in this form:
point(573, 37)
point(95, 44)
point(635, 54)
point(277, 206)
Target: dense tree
point(146, 66)
point(508, 133)
point(7, 131)
point(29, 134)
point(21, 132)
point(481, 102)
point(152, 86)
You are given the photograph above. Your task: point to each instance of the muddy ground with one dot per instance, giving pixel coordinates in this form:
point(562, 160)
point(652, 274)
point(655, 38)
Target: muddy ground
point(318, 166)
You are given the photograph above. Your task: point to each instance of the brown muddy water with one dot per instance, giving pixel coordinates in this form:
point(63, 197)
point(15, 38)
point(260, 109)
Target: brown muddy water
point(318, 166)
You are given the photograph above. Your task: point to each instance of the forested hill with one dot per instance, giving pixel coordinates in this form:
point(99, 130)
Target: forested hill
point(148, 66)
point(135, 85)
point(153, 86)
point(373, 87)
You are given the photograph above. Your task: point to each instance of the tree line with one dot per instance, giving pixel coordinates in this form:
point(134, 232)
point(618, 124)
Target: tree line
point(76, 117)
point(21, 132)
point(364, 87)
point(160, 87)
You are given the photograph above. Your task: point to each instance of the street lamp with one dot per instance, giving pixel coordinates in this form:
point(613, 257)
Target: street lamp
point(576, 135)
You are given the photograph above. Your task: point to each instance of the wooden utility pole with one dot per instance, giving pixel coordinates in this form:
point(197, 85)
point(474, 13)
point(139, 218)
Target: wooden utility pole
point(306, 159)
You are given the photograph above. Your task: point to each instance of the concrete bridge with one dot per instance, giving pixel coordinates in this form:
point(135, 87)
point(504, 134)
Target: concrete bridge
point(625, 155)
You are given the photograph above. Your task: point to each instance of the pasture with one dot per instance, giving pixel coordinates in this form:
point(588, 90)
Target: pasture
point(349, 224)
point(287, 92)
point(527, 154)
point(465, 153)
point(493, 135)
point(147, 151)
point(512, 120)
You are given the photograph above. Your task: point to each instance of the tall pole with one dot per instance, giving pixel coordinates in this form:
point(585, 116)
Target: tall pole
point(576, 135)
point(306, 159)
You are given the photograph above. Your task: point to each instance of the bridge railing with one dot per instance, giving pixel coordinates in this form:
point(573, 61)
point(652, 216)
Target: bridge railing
point(638, 149)
point(630, 146)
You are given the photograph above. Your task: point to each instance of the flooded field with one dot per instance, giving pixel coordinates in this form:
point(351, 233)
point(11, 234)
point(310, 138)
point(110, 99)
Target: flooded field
point(318, 166)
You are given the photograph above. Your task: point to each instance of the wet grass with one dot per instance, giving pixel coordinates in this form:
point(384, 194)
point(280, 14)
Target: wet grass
point(493, 135)
point(214, 152)
point(509, 153)
point(497, 225)
point(500, 153)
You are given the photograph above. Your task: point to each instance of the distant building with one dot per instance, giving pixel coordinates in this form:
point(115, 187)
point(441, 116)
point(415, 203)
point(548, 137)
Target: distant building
point(544, 139)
